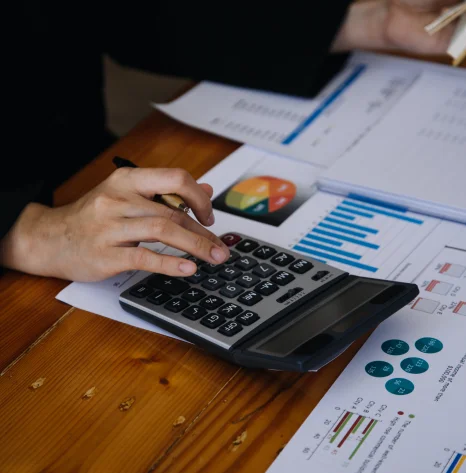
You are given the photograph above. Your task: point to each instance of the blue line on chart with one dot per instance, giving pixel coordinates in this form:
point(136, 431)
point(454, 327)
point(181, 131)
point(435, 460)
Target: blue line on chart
point(351, 225)
point(343, 230)
point(379, 203)
point(323, 240)
point(319, 246)
point(354, 211)
point(339, 215)
point(325, 104)
point(344, 238)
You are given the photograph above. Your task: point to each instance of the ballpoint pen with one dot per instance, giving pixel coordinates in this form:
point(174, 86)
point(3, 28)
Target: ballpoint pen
point(172, 200)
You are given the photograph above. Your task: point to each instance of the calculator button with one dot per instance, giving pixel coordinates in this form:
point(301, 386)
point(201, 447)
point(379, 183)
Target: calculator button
point(168, 284)
point(158, 298)
point(193, 259)
point(232, 258)
point(266, 288)
point(319, 275)
point(230, 310)
point(213, 320)
point(282, 259)
point(247, 280)
point(246, 263)
point(230, 273)
point(231, 290)
point(249, 298)
point(230, 239)
point(176, 305)
point(213, 283)
point(264, 252)
point(197, 277)
point(282, 278)
point(301, 266)
point(211, 302)
point(193, 295)
point(230, 328)
point(194, 312)
point(247, 318)
point(264, 270)
point(247, 246)
point(211, 268)
point(141, 291)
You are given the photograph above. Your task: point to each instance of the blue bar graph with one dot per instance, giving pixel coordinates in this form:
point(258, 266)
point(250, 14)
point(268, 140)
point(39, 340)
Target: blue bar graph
point(358, 70)
point(384, 212)
point(351, 225)
point(343, 230)
point(355, 212)
point(340, 215)
point(329, 248)
point(311, 236)
point(342, 236)
point(348, 239)
point(315, 254)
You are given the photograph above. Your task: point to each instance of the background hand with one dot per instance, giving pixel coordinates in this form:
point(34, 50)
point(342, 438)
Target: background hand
point(97, 236)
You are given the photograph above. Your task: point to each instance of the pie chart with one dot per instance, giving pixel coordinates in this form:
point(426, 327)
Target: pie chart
point(260, 195)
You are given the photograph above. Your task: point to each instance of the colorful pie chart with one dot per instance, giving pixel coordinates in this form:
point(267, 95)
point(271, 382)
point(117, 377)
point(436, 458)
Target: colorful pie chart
point(261, 195)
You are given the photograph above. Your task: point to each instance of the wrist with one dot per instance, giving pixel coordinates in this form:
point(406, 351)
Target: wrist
point(30, 245)
point(363, 27)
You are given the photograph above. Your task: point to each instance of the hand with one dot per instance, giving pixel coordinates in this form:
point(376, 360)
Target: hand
point(394, 25)
point(97, 236)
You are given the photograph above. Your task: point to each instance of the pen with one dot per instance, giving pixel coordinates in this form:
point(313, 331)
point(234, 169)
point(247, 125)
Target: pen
point(172, 200)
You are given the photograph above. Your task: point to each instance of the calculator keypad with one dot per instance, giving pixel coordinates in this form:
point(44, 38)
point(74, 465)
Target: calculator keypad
point(216, 301)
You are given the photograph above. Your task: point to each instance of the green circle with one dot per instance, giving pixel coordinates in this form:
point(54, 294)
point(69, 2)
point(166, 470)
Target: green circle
point(395, 347)
point(414, 365)
point(429, 345)
point(399, 386)
point(411, 416)
point(379, 369)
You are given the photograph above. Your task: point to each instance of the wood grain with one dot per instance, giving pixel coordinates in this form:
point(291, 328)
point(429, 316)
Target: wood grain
point(27, 309)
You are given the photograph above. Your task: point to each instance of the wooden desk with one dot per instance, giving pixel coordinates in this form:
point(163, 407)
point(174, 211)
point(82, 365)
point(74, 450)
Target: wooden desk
point(229, 419)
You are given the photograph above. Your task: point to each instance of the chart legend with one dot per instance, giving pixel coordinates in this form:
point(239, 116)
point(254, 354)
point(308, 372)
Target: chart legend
point(460, 308)
point(439, 287)
point(454, 270)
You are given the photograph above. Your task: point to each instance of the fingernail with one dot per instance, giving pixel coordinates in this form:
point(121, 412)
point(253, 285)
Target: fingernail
point(218, 255)
point(187, 268)
point(211, 219)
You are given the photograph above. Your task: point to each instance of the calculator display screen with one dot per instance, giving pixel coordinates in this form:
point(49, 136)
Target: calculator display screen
point(338, 313)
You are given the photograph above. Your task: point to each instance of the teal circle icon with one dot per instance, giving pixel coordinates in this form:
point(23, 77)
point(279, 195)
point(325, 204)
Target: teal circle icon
point(429, 345)
point(399, 386)
point(414, 365)
point(395, 347)
point(379, 369)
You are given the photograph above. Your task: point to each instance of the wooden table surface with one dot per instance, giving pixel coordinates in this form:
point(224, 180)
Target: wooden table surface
point(155, 403)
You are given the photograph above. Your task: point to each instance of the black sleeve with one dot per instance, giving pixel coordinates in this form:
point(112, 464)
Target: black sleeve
point(282, 48)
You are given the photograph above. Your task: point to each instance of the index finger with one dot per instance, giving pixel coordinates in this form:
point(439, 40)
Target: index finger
point(149, 182)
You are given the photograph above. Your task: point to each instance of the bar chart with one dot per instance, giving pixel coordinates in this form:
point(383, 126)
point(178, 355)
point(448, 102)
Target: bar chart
point(362, 235)
point(345, 437)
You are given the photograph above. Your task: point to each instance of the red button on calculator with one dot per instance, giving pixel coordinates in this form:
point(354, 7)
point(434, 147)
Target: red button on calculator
point(230, 239)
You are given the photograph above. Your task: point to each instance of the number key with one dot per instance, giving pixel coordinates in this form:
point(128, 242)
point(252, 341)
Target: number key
point(197, 277)
point(246, 263)
point(213, 283)
point(248, 280)
point(230, 273)
point(231, 290)
point(264, 270)
point(211, 268)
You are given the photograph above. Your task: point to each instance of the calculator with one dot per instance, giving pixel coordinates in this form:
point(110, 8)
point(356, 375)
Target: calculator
point(267, 307)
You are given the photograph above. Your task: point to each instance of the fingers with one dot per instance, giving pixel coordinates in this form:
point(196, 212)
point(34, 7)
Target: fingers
point(149, 182)
point(168, 232)
point(141, 207)
point(143, 259)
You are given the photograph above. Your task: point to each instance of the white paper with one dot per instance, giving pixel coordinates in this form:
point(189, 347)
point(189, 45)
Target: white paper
point(317, 131)
point(418, 431)
point(416, 156)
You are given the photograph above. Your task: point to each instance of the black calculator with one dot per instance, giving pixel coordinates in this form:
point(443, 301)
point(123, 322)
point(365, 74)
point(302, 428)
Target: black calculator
point(267, 307)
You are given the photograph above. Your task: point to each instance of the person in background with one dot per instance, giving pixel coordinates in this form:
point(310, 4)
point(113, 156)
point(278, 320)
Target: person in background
point(56, 121)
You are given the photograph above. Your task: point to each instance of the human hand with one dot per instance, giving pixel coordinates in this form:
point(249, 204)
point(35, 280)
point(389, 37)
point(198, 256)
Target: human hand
point(394, 25)
point(98, 235)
